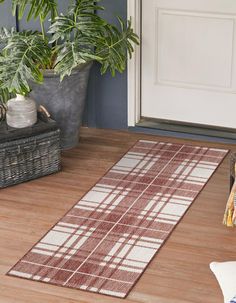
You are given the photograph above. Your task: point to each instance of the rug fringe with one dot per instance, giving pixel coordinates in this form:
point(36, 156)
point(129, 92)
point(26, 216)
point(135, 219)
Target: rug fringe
point(230, 211)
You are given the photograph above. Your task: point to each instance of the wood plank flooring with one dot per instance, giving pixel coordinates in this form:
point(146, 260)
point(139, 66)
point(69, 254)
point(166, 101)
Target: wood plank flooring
point(180, 271)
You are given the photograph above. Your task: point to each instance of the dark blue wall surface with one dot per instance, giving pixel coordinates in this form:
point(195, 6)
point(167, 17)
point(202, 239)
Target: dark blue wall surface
point(6, 18)
point(107, 96)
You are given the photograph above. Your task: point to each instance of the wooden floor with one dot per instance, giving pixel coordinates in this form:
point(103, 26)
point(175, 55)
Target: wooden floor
point(180, 271)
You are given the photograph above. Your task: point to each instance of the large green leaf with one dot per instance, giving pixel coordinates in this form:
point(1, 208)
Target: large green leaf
point(80, 21)
point(70, 55)
point(84, 6)
point(85, 36)
point(5, 95)
point(22, 59)
point(35, 8)
point(114, 46)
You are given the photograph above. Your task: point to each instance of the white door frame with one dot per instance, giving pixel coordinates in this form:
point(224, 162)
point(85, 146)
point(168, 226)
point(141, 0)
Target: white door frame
point(134, 66)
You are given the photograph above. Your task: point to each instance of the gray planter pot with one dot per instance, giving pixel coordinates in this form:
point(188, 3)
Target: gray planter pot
point(65, 101)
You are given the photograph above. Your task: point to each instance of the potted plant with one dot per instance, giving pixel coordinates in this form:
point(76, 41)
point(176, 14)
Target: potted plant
point(60, 59)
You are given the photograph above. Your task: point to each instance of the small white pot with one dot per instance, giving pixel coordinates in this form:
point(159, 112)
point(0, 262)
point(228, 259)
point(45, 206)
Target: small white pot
point(21, 112)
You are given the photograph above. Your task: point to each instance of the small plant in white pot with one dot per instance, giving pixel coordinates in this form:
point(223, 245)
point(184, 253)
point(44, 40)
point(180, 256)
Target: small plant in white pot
point(61, 58)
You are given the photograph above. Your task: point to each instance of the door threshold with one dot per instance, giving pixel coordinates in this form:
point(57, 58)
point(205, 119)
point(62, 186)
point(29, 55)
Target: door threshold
point(190, 131)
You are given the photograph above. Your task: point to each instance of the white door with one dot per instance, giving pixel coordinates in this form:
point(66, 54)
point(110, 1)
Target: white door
point(189, 61)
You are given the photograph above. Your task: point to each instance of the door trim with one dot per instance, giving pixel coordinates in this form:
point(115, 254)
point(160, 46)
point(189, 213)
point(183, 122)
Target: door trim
point(134, 66)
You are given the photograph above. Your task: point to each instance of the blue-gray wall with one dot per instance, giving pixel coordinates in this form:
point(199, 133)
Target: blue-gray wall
point(107, 96)
point(6, 18)
point(107, 99)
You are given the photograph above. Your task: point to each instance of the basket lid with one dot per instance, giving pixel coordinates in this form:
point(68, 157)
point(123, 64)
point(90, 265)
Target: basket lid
point(8, 133)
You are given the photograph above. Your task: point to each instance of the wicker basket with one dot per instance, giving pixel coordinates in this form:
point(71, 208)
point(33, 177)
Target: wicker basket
point(232, 168)
point(29, 157)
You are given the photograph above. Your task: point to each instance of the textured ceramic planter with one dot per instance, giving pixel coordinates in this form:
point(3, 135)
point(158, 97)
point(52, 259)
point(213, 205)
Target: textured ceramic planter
point(65, 101)
point(21, 112)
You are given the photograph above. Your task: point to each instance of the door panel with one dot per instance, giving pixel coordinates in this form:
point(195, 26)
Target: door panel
point(188, 61)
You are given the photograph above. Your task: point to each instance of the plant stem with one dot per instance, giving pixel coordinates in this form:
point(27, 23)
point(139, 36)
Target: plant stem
point(42, 27)
point(17, 19)
point(54, 14)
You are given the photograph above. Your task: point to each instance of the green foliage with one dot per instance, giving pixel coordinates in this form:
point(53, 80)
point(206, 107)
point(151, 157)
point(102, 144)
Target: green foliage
point(114, 45)
point(80, 21)
point(5, 95)
point(36, 8)
point(22, 60)
point(78, 37)
point(93, 39)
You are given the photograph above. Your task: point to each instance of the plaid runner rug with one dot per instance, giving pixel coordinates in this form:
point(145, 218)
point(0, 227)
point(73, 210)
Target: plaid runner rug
point(105, 242)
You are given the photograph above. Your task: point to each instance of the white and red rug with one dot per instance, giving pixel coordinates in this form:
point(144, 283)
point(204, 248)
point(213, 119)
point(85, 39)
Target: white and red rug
point(105, 242)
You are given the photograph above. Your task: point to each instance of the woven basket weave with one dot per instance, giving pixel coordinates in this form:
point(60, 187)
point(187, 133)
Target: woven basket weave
point(29, 158)
point(232, 168)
